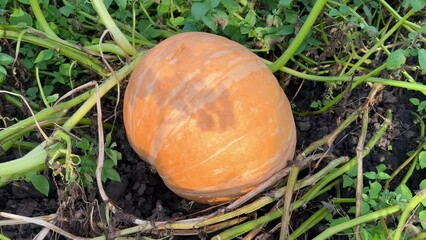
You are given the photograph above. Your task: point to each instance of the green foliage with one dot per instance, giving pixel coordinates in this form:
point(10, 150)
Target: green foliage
point(396, 59)
point(5, 61)
point(417, 5)
point(88, 163)
point(375, 198)
point(422, 60)
point(40, 182)
point(421, 105)
point(316, 105)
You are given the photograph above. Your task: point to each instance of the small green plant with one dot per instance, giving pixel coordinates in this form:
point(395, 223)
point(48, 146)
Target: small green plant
point(88, 161)
point(421, 105)
point(5, 61)
point(39, 181)
point(316, 105)
point(374, 198)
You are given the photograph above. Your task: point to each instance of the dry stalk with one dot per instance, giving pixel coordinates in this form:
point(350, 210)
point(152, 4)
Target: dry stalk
point(11, 222)
point(31, 111)
point(102, 53)
point(271, 181)
point(329, 139)
point(39, 222)
point(73, 91)
point(42, 234)
point(101, 154)
point(255, 232)
point(359, 152)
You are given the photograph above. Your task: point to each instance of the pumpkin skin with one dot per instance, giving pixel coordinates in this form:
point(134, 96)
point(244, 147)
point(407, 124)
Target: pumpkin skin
point(209, 116)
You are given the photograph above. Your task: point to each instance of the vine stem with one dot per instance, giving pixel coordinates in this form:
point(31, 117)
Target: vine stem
point(406, 212)
point(300, 36)
point(380, 42)
point(41, 20)
point(409, 25)
point(360, 157)
point(388, 82)
point(327, 233)
point(36, 158)
point(39, 38)
point(116, 33)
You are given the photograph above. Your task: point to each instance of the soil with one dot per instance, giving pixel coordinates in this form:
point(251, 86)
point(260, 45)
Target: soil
point(142, 193)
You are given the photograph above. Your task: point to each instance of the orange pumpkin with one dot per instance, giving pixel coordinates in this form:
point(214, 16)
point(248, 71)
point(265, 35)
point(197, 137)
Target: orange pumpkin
point(209, 116)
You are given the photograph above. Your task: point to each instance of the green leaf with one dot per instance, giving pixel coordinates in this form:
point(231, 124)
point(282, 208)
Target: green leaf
point(113, 175)
point(44, 55)
point(222, 18)
point(210, 22)
point(381, 168)
point(108, 138)
point(214, 3)
point(113, 155)
point(67, 10)
point(371, 31)
point(52, 98)
point(121, 4)
point(365, 208)
point(382, 176)
point(20, 18)
point(422, 159)
point(3, 74)
point(395, 59)
point(348, 181)
point(422, 218)
point(291, 17)
point(5, 59)
point(412, 35)
point(177, 21)
point(24, 1)
point(367, 12)
point(333, 12)
point(418, 4)
point(39, 182)
point(250, 18)
point(422, 184)
point(365, 235)
point(405, 191)
point(344, 9)
point(370, 175)
point(422, 58)
point(64, 69)
point(32, 93)
point(199, 9)
point(107, 3)
point(422, 106)
point(415, 101)
point(190, 26)
point(231, 5)
point(3, 3)
point(83, 144)
point(286, 30)
point(110, 173)
point(284, 3)
point(352, 172)
point(375, 189)
point(48, 89)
